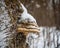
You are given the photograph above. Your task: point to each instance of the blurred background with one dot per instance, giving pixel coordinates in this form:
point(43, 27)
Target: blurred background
point(46, 12)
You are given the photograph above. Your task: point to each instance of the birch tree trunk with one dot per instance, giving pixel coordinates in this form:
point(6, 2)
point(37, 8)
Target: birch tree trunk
point(49, 37)
point(9, 12)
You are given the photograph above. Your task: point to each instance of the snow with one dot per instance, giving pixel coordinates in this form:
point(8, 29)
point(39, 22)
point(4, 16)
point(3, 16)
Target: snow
point(26, 17)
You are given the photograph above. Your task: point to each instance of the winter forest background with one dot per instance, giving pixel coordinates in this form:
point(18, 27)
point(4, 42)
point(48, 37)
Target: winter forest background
point(47, 14)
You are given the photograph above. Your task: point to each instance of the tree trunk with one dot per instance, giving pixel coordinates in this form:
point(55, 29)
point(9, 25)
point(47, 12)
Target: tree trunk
point(10, 10)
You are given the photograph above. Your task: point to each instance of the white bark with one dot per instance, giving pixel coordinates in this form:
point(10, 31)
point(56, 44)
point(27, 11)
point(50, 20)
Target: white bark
point(49, 38)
